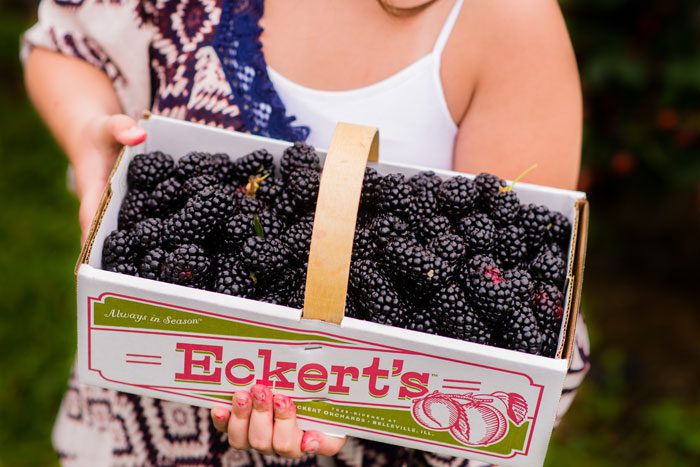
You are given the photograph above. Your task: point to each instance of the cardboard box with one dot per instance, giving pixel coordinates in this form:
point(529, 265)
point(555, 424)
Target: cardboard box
point(357, 378)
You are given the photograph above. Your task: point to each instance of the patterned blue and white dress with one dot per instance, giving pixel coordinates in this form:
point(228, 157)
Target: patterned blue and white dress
point(201, 61)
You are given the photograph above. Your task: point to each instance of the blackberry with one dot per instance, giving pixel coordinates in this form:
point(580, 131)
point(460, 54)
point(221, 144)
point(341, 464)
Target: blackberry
point(269, 190)
point(255, 163)
point(559, 230)
point(118, 252)
point(366, 276)
point(451, 248)
point(426, 181)
point(152, 264)
point(457, 196)
point(521, 284)
point(233, 279)
point(166, 198)
point(196, 185)
point(352, 309)
point(201, 220)
point(363, 245)
point(476, 329)
point(505, 207)
point(425, 204)
point(548, 307)
point(511, 248)
point(490, 291)
point(188, 265)
point(549, 266)
point(148, 234)
point(423, 321)
point(299, 156)
point(488, 187)
point(296, 298)
point(303, 185)
point(386, 227)
point(408, 261)
point(370, 186)
point(249, 205)
point(222, 167)
point(535, 220)
point(285, 206)
point(264, 256)
point(147, 170)
point(395, 195)
point(134, 208)
point(237, 230)
point(384, 306)
point(274, 297)
point(522, 333)
point(297, 238)
point(448, 306)
point(425, 229)
point(193, 164)
point(479, 232)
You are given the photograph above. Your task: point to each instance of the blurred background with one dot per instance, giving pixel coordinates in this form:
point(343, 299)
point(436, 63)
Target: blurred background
point(640, 68)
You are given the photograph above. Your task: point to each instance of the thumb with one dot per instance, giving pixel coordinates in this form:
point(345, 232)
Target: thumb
point(122, 129)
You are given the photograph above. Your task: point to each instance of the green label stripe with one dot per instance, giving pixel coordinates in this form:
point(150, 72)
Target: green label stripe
point(119, 312)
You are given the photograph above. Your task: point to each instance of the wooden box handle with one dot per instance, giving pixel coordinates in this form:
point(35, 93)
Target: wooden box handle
point(334, 223)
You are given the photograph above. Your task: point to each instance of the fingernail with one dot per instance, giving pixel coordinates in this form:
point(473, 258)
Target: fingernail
point(219, 413)
point(133, 132)
point(241, 400)
point(259, 393)
point(311, 446)
point(280, 402)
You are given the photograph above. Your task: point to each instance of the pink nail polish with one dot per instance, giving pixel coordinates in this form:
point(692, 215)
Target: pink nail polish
point(311, 446)
point(259, 393)
point(280, 403)
point(241, 400)
point(219, 413)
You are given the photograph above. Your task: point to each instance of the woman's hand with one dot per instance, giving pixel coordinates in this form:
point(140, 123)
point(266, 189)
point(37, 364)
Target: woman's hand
point(99, 145)
point(266, 422)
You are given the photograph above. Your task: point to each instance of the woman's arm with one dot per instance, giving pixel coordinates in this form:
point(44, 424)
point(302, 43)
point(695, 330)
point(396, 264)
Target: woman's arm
point(80, 107)
point(526, 106)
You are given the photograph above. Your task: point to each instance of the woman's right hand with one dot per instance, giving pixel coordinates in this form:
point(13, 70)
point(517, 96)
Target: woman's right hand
point(98, 144)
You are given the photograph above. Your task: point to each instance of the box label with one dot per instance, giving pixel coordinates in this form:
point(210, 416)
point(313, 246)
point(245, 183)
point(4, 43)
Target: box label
point(334, 380)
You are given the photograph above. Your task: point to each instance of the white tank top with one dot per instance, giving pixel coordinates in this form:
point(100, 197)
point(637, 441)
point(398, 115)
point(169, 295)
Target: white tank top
point(409, 108)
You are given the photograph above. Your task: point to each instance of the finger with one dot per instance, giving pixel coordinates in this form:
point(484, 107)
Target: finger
point(260, 429)
point(315, 442)
point(286, 435)
point(124, 130)
point(240, 420)
point(220, 416)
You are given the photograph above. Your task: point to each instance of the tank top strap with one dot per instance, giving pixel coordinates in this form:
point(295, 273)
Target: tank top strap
point(447, 28)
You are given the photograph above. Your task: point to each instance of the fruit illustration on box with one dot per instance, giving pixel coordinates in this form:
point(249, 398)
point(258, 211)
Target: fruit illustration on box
point(472, 419)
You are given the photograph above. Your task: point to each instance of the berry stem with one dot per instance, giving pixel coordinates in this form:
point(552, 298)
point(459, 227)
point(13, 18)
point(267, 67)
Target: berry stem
point(505, 189)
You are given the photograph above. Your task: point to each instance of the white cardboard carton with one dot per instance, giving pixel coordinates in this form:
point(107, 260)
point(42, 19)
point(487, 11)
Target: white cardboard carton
point(359, 378)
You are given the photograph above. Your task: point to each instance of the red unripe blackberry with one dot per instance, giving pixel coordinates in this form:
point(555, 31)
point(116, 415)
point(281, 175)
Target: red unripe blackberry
point(479, 232)
point(147, 170)
point(188, 265)
point(299, 156)
point(457, 196)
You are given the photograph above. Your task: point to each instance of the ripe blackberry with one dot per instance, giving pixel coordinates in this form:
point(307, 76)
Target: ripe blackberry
point(274, 297)
point(255, 163)
point(233, 279)
point(511, 248)
point(505, 208)
point(559, 230)
point(425, 229)
point(299, 156)
point(366, 276)
point(384, 306)
point(422, 321)
point(201, 220)
point(285, 206)
point(448, 306)
point(297, 239)
point(425, 204)
point(222, 167)
point(148, 234)
point(547, 304)
point(352, 309)
point(134, 208)
point(242, 226)
point(249, 205)
point(476, 329)
point(118, 252)
point(188, 265)
point(193, 164)
point(521, 283)
point(522, 333)
point(488, 186)
point(363, 246)
point(413, 264)
point(147, 170)
point(535, 220)
point(479, 232)
point(264, 256)
point(269, 189)
point(196, 185)
point(457, 196)
point(549, 266)
point(370, 185)
point(427, 181)
point(387, 227)
point(395, 195)
point(152, 264)
point(303, 185)
point(490, 291)
point(166, 198)
point(451, 248)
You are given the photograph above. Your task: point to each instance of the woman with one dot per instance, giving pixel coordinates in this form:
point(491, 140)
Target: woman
point(473, 85)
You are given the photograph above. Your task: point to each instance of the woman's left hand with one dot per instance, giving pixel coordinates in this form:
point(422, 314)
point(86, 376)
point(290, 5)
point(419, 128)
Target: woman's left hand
point(266, 422)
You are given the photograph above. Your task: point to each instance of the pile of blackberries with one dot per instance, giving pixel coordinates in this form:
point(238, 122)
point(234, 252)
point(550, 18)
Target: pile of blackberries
point(456, 257)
